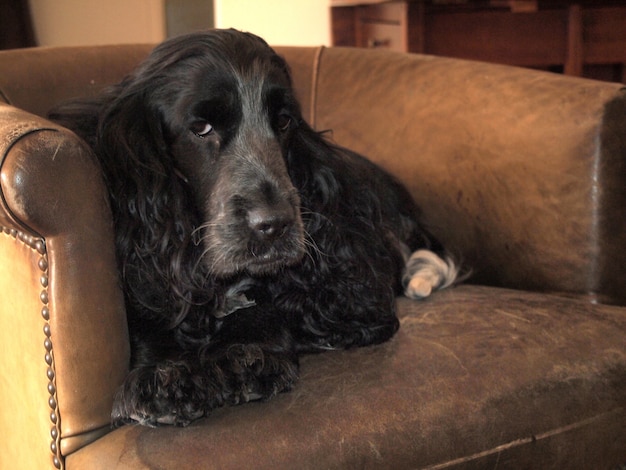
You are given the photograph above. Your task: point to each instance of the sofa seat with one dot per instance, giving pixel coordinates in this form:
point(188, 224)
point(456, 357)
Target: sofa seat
point(477, 377)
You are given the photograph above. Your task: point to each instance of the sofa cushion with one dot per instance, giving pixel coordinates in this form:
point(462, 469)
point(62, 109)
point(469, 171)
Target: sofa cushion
point(477, 377)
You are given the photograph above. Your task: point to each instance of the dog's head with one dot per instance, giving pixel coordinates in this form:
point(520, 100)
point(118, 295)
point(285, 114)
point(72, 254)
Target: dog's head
point(214, 113)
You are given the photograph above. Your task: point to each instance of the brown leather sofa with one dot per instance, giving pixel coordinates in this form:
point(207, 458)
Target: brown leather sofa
point(522, 173)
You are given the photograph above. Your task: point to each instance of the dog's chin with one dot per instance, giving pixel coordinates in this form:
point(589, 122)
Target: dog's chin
point(269, 264)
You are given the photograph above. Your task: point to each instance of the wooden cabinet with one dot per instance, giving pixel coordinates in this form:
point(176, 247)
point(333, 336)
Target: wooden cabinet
point(583, 38)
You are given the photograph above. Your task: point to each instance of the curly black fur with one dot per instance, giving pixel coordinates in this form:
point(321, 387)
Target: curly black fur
point(243, 237)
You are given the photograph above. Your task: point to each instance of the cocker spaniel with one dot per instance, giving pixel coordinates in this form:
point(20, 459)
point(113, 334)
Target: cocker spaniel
point(244, 238)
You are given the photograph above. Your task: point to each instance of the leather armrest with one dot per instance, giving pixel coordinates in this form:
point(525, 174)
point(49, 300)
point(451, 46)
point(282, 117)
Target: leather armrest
point(61, 308)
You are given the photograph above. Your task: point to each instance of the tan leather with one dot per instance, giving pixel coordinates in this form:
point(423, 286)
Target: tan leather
point(52, 189)
point(521, 173)
point(303, 64)
point(23, 380)
point(44, 76)
point(512, 168)
point(440, 394)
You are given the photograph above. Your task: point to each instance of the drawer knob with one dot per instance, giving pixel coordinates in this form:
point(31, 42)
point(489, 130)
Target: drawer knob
point(374, 43)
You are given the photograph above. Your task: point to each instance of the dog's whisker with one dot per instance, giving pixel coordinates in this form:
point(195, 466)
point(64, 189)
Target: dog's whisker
point(309, 242)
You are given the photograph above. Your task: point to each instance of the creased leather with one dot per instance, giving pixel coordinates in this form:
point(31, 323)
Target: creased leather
point(477, 377)
point(505, 162)
point(52, 185)
point(43, 76)
point(521, 173)
point(24, 421)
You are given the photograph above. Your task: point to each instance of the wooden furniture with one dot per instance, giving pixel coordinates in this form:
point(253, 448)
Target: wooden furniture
point(580, 38)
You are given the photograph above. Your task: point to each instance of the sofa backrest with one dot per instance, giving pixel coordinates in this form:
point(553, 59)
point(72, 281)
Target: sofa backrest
point(38, 78)
point(521, 173)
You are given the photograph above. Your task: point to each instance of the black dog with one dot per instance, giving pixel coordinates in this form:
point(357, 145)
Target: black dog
point(243, 238)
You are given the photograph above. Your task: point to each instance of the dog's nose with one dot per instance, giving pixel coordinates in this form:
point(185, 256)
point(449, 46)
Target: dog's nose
point(270, 223)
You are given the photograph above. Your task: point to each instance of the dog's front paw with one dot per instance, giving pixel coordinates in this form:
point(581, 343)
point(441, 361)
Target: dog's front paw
point(257, 373)
point(164, 394)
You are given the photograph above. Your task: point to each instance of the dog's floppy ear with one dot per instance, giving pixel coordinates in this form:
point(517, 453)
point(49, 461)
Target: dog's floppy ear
point(130, 143)
point(154, 209)
point(126, 135)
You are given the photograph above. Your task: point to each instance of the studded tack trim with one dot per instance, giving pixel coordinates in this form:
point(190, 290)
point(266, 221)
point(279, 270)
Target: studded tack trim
point(39, 245)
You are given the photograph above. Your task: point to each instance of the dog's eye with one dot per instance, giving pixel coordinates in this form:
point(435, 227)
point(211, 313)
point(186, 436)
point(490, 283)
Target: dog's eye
point(201, 128)
point(284, 122)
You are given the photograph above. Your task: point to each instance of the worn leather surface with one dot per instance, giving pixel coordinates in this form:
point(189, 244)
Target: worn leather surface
point(52, 185)
point(486, 377)
point(44, 76)
point(520, 172)
point(527, 167)
point(303, 64)
point(23, 382)
point(59, 73)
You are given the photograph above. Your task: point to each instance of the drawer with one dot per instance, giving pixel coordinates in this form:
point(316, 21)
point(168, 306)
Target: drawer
point(383, 13)
point(381, 26)
point(604, 35)
point(381, 35)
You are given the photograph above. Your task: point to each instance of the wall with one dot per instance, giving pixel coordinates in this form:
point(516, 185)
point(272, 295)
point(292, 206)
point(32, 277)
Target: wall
point(87, 22)
point(183, 16)
point(279, 22)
